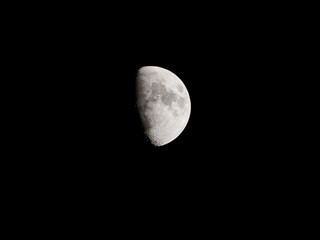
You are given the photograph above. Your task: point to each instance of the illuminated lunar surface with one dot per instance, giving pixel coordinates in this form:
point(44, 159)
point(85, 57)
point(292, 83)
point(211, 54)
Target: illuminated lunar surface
point(163, 103)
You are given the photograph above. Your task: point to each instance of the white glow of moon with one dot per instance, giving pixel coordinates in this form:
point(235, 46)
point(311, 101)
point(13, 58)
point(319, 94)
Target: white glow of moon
point(163, 104)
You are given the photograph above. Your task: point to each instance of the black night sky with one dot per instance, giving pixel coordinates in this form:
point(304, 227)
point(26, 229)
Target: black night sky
point(231, 137)
point(232, 152)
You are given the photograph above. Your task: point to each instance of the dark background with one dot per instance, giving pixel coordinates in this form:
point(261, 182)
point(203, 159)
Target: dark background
point(233, 70)
point(87, 145)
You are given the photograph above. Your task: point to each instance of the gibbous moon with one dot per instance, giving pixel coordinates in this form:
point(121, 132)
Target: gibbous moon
point(163, 103)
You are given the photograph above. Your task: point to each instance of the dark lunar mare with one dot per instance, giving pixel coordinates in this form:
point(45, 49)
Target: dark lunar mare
point(167, 97)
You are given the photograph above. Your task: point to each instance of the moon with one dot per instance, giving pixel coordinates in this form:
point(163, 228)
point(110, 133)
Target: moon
point(163, 104)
